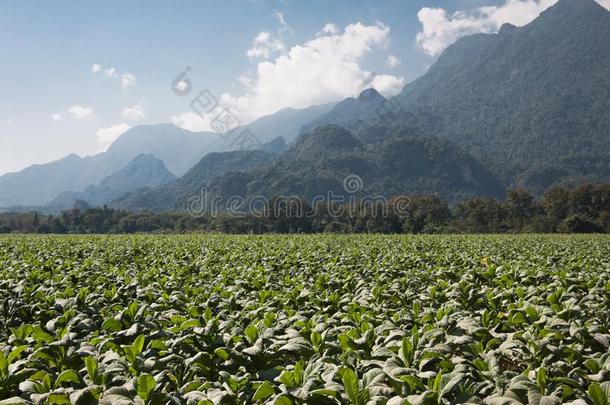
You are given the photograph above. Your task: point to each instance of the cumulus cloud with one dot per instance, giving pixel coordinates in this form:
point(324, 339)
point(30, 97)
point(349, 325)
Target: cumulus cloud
point(105, 136)
point(264, 46)
point(329, 29)
point(135, 112)
point(80, 112)
point(324, 69)
point(393, 61)
point(388, 85)
point(128, 80)
point(440, 28)
point(110, 72)
point(77, 112)
point(321, 70)
point(193, 122)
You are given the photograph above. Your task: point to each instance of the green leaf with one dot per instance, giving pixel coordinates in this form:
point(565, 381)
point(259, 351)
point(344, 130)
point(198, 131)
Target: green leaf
point(251, 333)
point(145, 385)
point(283, 400)
point(324, 392)
point(597, 395)
point(41, 336)
point(222, 353)
point(315, 338)
point(605, 386)
point(91, 365)
point(138, 344)
point(350, 384)
point(263, 392)
point(112, 325)
point(16, 353)
point(59, 398)
point(541, 378)
point(288, 379)
point(67, 376)
point(191, 323)
point(3, 365)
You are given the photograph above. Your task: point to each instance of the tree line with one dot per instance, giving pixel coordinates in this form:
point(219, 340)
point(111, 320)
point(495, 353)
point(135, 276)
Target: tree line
point(585, 209)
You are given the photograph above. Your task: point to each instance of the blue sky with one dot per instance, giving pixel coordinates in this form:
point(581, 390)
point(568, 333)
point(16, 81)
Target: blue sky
point(75, 74)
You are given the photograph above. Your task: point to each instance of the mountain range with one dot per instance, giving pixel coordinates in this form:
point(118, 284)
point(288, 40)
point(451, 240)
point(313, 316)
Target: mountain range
point(532, 103)
point(526, 107)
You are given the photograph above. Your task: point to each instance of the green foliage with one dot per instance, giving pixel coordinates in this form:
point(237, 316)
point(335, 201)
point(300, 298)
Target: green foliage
point(302, 319)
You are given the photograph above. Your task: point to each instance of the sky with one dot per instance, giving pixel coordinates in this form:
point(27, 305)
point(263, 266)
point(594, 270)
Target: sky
point(75, 75)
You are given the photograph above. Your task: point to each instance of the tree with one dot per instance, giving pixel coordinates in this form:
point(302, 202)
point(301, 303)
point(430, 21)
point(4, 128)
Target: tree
point(579, 224)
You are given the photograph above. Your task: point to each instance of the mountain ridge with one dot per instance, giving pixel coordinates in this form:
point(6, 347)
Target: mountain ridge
point(527, 98)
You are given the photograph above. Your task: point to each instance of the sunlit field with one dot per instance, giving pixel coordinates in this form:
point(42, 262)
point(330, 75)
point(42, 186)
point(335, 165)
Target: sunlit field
point(305, 319)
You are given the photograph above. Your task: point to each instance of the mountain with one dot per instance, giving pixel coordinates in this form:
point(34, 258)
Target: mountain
point(286, 123)
point(531, 103)
point(179, 149)
point(176, 194)
point(397, 164)
point(37, 185)
point(143, 171)
point(320, 162)
point(275, 146)
point(369, 105)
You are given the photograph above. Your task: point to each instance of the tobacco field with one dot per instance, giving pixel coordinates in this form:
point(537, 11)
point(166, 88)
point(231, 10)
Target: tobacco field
point(320, 319)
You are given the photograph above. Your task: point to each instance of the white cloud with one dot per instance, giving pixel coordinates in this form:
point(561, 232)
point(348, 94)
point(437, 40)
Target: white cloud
point(329, 29)
point(128, 80)
point(393, 61)
point(136, 111)
point(440, 29)
point(110, 72)
point(105, 136)
point(77, 112)
point(264, 46)
point(245, 80)
point(280, 17)
point(324, 69)
point(80, 112)
point(192, 122)
point(388, 85)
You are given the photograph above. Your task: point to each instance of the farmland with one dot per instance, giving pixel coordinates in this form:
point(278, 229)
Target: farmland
point(305, 319)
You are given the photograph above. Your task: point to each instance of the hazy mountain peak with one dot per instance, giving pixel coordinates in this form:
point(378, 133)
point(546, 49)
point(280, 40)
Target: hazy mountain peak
point(569, 11)
point(350, 110)
point(507, 27)
point(370, 95)
point(145, 170)
point(576, 5)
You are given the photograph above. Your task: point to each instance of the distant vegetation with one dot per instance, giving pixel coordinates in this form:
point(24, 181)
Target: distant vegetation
point(582, 210)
